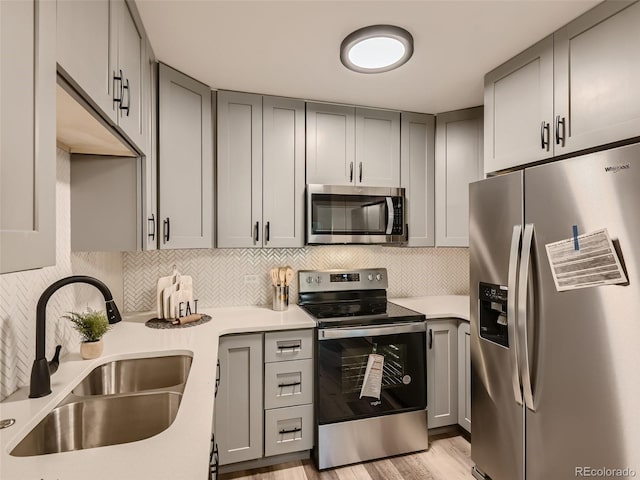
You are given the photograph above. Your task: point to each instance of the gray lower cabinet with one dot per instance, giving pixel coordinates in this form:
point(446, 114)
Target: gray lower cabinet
point(459, 160)
point(27, 135)
point(464, 376)
point(285, 382)
point(417, 177)
point(442, 372)
point(239, 407)
point(260, 171)
point(288, 392)
point(352, 146)
point(185, 161)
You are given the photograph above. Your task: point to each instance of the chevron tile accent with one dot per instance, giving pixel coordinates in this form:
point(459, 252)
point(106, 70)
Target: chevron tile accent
point(218, 274)
point(20, 291)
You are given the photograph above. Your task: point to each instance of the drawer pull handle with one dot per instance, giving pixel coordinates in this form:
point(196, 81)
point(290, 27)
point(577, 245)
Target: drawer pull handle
point(289, 347)
point(293, 430)
point(292, 384)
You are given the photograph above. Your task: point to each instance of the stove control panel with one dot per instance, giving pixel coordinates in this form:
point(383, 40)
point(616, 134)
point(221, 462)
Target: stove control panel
point(340, 280)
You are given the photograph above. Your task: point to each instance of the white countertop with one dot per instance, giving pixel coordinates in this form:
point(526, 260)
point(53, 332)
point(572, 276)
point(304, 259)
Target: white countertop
point(182, 450)
point(443, 306)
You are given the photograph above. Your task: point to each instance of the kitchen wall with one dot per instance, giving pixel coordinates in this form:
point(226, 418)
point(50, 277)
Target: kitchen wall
point(227, 277)
point(19, 294)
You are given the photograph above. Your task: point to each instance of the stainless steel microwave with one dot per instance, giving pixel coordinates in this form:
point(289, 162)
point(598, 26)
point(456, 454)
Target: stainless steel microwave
point(339, 214)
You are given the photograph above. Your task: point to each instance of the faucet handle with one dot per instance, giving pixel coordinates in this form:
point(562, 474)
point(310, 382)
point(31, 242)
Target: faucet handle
point(55, 361)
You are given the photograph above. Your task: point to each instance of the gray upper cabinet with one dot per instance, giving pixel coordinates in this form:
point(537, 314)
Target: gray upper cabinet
point(102, 52)
point(185, 163)
point(85, 53)
point(331, 157)
point(27, 135)
point(239, 173)
point(283, 172)
point(459, 147)
point(260, 171)
point(574, 90)
point(597, 74)
point(150, 161)
point(417, 177)
point(238, 422)
point(518, 99)
point(352, 146)
point(377, 148)
point(131, 48)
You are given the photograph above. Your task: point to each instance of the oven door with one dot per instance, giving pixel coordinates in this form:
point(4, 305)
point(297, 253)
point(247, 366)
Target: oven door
point(342, 358)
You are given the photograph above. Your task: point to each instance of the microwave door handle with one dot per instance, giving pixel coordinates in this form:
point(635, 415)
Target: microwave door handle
point(389, 216)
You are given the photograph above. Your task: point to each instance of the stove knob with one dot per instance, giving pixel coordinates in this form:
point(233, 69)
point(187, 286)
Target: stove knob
point(378, 277)
point(318, 279)
point(370, 277)
point(309, 279)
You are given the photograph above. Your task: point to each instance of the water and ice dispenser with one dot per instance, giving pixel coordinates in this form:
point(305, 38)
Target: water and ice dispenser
point(493, 313)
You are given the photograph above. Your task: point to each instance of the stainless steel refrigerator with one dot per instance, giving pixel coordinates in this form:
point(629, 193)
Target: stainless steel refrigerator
point(556, 362)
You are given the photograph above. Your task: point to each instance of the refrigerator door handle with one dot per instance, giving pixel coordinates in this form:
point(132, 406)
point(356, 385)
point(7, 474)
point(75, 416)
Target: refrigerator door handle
point(523, 292)
point(512, 312)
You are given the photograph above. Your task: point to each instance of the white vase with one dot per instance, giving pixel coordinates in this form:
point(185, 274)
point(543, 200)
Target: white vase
point(91, 350)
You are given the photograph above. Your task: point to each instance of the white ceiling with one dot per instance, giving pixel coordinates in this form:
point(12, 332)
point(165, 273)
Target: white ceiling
point(291, 48)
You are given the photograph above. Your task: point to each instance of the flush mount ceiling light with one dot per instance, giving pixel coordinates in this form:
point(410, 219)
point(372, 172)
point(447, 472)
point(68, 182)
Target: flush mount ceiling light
point(377, 48)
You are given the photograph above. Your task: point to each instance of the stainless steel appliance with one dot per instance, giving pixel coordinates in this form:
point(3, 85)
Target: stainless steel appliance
point(364, 409)
point(347, 214)
point(555, 383)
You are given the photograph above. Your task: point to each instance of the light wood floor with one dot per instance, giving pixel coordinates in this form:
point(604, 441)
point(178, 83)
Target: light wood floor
point(448, 458)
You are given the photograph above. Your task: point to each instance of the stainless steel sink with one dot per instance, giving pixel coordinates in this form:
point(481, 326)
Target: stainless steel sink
point(118, 402)
point(136, 375)
point(97, 422)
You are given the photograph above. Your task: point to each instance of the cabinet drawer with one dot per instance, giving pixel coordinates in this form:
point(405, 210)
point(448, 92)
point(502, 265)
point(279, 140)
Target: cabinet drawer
point(288, 430)
point(288, 345)
point(288, 383)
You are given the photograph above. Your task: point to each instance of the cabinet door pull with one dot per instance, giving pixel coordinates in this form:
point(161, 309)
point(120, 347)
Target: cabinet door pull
point(167, 229)
point(217, 379)
point(117, 78)
point(544, 135)
point(152, 231)
point(292, 384)
point(360, 172)
point(125, 86)
point(267, 232)
point(293, 430)
point(256, 238)
point(430, 339)
point(350, 171)
point(289, 347)
point(560, 139)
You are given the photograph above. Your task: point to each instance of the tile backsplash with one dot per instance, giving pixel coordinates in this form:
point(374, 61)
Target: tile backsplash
point(228, 277)
point(20, 291)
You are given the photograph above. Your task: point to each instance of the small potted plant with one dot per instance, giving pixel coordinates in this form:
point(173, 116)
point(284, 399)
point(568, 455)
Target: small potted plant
point(91, 326)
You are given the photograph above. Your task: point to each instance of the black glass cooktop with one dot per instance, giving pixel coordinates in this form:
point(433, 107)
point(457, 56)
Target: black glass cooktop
point(360, 313)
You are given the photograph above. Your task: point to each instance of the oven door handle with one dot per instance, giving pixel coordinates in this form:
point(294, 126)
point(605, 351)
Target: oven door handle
point(354, 332)
point(390, 216)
